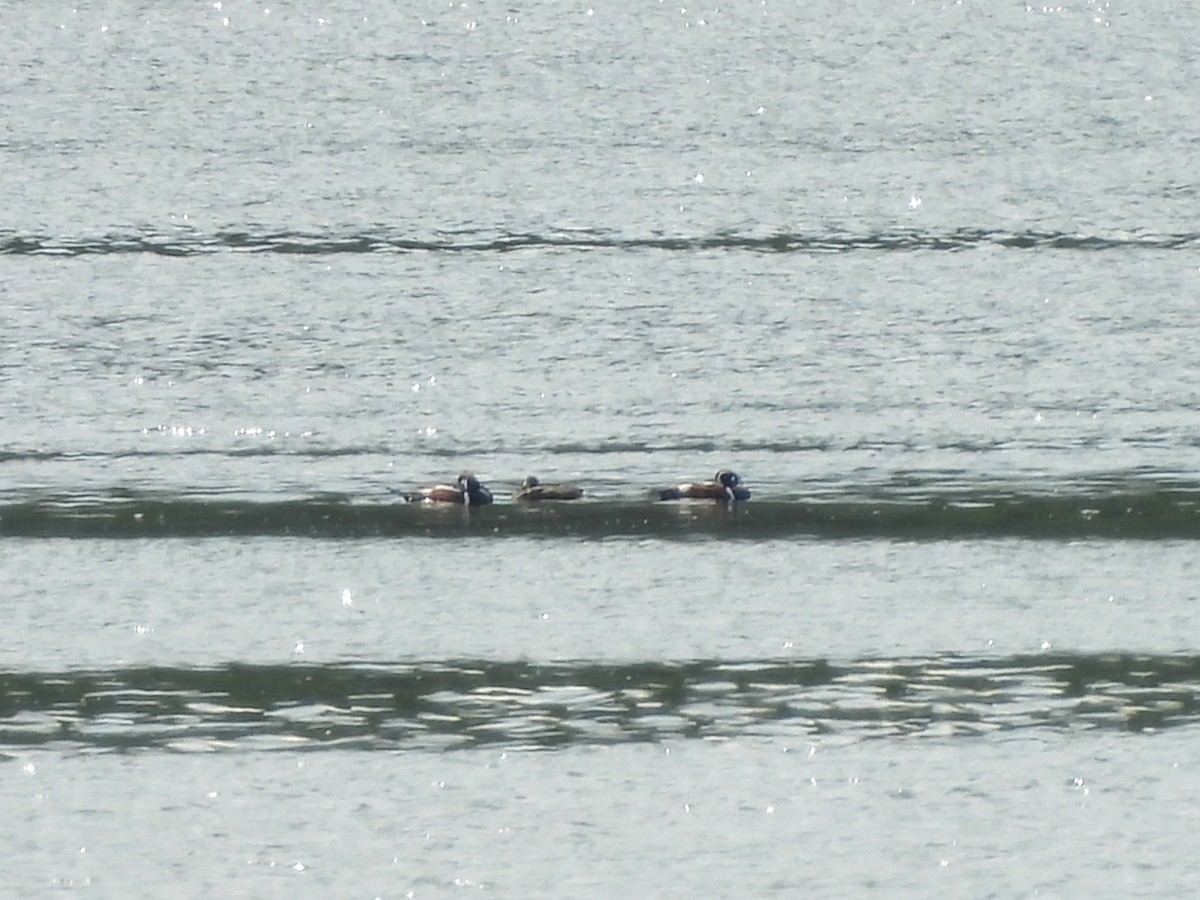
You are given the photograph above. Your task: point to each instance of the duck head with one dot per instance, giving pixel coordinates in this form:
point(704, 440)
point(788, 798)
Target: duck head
point(474, 493)
point(729, 480)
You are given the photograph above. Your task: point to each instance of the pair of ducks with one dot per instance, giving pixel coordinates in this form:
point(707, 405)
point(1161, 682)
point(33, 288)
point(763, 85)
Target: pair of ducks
point(467, 490)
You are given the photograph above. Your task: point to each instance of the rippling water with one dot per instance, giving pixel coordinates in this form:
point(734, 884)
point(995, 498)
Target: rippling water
point(521, 705)
point(922, 275)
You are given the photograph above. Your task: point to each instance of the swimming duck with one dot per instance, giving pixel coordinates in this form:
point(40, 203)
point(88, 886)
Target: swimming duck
point(532, 489)
point(466, 489)
point(725, 486)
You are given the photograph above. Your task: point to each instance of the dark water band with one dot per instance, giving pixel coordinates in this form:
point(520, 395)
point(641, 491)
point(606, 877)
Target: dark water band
point(186, 242)
point(1148, 515)
point(473, 703)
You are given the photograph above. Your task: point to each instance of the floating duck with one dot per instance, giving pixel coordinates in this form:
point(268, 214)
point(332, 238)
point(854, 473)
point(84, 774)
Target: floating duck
point(465, 490)
point(532, 489)
point(725, 486)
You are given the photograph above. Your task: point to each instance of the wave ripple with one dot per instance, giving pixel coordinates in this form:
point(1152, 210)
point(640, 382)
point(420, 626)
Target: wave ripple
point(185, 242)
point(465, 704)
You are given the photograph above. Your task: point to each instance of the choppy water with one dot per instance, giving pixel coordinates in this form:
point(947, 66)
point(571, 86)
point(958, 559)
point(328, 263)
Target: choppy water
point(923, 274)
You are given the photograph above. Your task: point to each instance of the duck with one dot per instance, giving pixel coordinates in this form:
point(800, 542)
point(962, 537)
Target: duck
point(465, 490)
point(532, 489)
point(726, 485)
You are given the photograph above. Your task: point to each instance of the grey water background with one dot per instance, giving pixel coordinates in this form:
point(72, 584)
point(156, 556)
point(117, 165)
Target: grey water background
point(923, 274)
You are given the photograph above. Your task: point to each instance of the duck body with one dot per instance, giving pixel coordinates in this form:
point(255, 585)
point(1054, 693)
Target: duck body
point(531, 489)
point(726, 485)
point(466, 490)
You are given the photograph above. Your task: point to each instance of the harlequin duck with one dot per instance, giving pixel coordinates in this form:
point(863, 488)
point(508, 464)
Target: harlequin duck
point(532, 489)
point(725, 486)
point(466, 489)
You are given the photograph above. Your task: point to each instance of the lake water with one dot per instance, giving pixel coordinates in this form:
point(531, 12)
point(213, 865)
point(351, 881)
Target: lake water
point(923, 274)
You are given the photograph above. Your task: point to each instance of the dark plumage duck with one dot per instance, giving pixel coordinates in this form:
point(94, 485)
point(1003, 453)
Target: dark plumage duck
point(465, 490)
point(725, 486)
point(532, 489)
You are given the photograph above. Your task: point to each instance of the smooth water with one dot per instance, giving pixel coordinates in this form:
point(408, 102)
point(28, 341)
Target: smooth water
point(922, 274)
